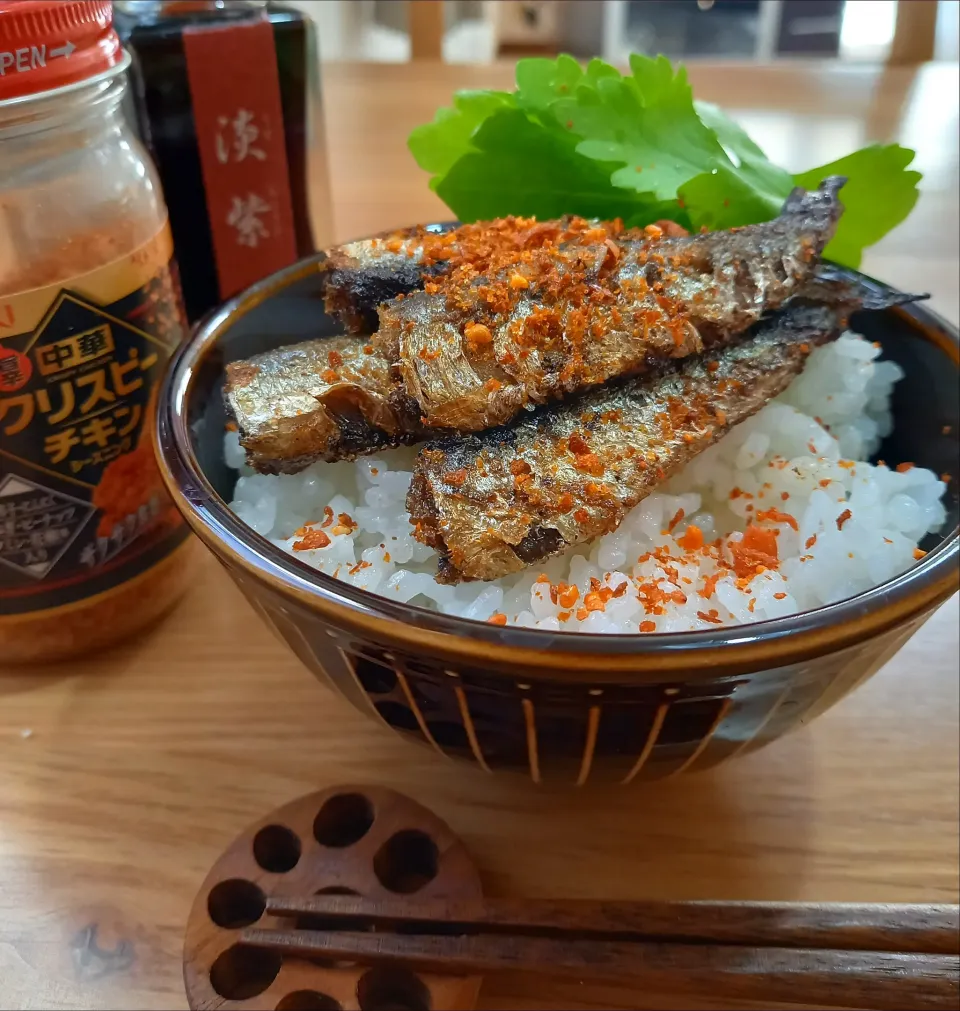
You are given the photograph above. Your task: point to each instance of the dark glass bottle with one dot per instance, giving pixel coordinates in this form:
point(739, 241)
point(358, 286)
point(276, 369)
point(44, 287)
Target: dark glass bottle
point(153, 32)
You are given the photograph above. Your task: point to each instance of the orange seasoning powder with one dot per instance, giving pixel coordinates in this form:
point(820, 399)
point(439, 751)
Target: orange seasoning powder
point(91, 547)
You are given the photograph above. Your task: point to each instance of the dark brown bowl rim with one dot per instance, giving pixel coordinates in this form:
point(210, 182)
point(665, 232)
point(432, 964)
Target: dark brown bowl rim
point(553, 654)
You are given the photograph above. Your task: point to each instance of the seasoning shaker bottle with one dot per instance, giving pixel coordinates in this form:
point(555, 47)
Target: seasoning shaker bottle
point(228, 100)
point(91, 547)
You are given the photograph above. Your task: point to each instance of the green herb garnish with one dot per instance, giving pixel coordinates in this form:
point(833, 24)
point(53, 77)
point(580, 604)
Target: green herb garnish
point(590, 141)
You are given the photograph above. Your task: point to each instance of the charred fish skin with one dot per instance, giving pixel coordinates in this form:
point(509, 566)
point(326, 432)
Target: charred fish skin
point(494, 504)
point(328, 399)
point(594, 305)
point(358, 277)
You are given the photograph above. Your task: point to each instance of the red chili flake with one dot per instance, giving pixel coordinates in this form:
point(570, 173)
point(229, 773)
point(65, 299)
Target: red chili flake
point(813, 540)
point(568, 596)
point(354, 569)
point(593, 601)
point(918, 553)
point(577, 446)
point(847, 464)
point(565, 502)
point(712, 616)
point(477, 335)
point(902, 468)
point(588, 463)
point(386, 556)
point(842, 518)
point(374, 471)
point(757, 549)
point(581, 516)
point(543, 578)
point(497, 619)
point(776, 516)
point(710, 585)
point(677, 517)
point(346, 520)
point(563, 616)
point(648, 626)
point(310, 539)
point(784, 495)
point(582, 613)
point(779, 596)
point(621, 589)
point(327, 516)
point(692, 539)
point(752, 604)
point(887, 540)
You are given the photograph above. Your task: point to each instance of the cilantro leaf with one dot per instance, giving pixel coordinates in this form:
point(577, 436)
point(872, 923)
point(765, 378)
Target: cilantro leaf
point(575, 140)
point(645, 122)
point(879, 194)
point(436, 146)
point(749, 188)
point(540, 81)
point(519, 167)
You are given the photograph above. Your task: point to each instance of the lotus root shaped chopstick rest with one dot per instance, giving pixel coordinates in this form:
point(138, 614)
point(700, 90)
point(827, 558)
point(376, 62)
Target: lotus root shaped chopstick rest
point(346, 840)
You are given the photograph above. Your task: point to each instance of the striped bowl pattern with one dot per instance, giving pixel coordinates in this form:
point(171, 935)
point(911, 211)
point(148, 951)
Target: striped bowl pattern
point(591, 731)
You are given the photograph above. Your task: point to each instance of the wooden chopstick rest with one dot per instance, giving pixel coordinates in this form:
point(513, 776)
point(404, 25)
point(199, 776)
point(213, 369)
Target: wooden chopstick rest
point(345, 841)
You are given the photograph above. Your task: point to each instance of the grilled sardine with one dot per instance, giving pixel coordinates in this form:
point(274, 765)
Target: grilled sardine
point(327, 399)
point(496, 503)
point(565, 305)
point(594, 304)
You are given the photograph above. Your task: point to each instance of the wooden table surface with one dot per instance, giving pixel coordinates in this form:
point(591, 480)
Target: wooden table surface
point(122, 778)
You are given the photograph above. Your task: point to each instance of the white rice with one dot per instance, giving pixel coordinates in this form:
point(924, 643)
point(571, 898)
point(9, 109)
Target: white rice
point(803, 455)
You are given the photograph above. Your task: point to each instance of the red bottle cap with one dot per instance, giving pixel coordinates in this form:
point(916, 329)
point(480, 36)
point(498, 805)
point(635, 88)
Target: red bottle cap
point(48, 44)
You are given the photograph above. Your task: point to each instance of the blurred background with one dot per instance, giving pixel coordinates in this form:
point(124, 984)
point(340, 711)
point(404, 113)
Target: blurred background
point(481, 31)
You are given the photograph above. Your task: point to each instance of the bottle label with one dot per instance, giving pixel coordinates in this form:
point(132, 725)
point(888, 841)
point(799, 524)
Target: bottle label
point(82, 506)
point(235, 92)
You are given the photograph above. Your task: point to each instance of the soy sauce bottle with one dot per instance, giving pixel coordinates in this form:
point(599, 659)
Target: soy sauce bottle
point(223, 97)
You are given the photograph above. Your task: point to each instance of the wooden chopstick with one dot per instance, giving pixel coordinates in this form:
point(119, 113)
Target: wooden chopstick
point(885, 957)
point(884, 981)
point(929, 929)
